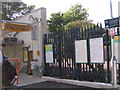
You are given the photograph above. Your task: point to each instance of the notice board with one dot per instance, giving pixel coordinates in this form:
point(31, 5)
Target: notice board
point(81, 51)
point(96, 50)
point(117, 48)
point(49, 53)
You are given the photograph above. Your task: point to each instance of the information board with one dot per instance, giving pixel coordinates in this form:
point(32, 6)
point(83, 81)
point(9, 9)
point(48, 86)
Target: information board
point(117, 48)
point(49, 53)
point(81, 51)
point(96, 50)
point(111, 23)
point(25, 55)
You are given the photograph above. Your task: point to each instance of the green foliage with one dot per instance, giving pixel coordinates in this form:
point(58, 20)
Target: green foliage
point(61, 21)
point(79, 24)
point(75, 13)
point(12, 10)
point(56, 22)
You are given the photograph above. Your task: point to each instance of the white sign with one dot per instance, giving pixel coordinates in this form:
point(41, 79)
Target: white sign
point(117, 48)
point(49, 53)
point(81, 51)
point(112, 31)
point(96, 50)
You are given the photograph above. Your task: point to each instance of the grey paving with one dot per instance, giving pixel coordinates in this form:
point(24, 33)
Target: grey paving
point(30, 81)
point(51, 84)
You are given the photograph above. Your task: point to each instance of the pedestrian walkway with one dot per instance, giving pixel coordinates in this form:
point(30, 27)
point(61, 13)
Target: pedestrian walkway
point(33, 81)
point(81, 83)
point(25, 79)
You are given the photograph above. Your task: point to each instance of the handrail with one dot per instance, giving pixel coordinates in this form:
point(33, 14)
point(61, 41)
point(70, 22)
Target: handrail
point(18, 66)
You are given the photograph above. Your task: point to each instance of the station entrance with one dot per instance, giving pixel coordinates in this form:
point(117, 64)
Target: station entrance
point(64, 49)
point(14, 48)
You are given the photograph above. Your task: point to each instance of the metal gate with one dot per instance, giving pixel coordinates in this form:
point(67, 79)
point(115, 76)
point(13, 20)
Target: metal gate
point(65, 66)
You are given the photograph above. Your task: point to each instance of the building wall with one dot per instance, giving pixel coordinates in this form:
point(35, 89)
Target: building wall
point(34, 45)
point(41, 28)
point(14, 51)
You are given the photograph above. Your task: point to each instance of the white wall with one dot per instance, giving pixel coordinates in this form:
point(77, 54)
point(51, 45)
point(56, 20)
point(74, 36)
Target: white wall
point(14, 51)
point(35, 45)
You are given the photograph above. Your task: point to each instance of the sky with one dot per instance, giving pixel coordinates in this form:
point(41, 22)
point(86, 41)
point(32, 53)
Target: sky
point(98, 10)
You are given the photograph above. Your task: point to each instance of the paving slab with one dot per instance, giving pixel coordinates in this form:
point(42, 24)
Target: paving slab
point(81, 83)
point(32, 81)
point(25, 79)
point(52, 84)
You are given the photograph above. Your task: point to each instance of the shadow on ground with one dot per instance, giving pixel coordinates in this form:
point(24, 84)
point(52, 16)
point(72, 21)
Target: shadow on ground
point(51, 84)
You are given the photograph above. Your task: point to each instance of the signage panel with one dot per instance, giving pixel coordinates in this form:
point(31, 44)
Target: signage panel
point(117, 48)
point(96, 50)
point(16, 27)
point(25, 56)
point(112, 32)
point(49, 53)
point(111, 23)
point(81, 51)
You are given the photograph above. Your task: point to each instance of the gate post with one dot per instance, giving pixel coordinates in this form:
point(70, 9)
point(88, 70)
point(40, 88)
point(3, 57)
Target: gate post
point(107, 56)
point(114, 70)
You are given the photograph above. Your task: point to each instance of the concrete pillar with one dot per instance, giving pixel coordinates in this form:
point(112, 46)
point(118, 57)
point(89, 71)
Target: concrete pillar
point(38, 44)
point(43, 25)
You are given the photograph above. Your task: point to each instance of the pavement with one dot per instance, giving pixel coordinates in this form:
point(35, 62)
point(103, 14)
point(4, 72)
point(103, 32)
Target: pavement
point(25, 79)
point(31, 81)
point(52, 84)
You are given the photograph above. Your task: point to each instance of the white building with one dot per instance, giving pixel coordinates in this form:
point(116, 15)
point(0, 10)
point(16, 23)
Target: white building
point(30, 40)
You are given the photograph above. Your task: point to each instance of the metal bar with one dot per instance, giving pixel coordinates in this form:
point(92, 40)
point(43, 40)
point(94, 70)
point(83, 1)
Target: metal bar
point(59, 54)
point(111, 12)
point(119, 72)
point(107, 57)
point(118, 32)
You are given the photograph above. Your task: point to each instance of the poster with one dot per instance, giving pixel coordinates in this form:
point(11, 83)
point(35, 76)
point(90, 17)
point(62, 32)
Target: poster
point(81, 51)
point(49, 53)
point(117, 48)
point(96, 50)
point(25, 59)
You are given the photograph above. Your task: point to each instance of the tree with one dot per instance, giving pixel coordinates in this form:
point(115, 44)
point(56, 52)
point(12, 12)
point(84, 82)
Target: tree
point(12, 10)
point(75, 13)
point(79, 24)
point(61, 21)
point(56, 22)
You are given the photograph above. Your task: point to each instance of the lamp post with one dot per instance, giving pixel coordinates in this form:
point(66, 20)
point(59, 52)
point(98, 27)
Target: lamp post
point(111, 13)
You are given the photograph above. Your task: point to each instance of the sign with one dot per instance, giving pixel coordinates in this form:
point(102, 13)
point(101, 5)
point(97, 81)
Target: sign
point(117, 39)
point(117, 48)
point(96, 50)
point(112, 32)
point(81, 51)
point(49, 53)
point(16, 27)
point(111, 23)
point(25, 56)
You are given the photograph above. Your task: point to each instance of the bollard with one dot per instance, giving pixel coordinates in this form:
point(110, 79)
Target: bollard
point(114, 72)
